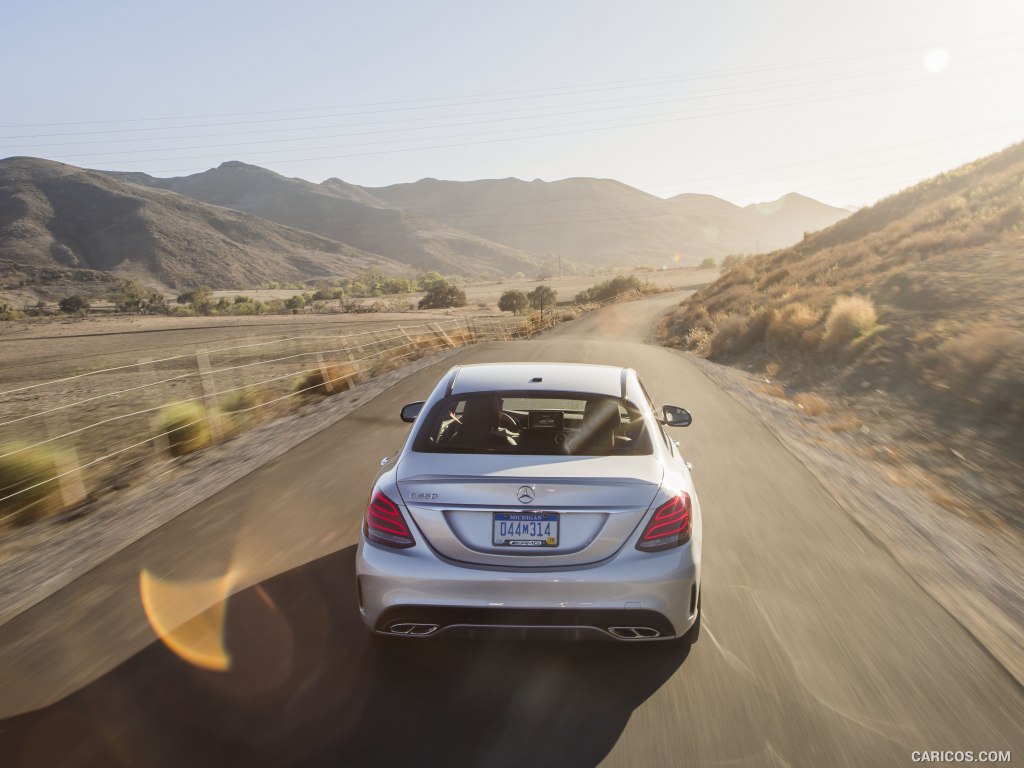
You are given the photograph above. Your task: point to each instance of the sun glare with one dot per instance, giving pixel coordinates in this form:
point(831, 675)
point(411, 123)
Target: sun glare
point(936, 60)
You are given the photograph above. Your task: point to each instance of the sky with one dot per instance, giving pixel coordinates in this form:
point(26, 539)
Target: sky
point(846, 102)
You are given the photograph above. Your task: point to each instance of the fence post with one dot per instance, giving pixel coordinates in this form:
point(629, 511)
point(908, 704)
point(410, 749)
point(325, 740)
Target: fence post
point(436, 328)
point(161, 443)
point(65, 455)
point(209, 394)
point(324, 373)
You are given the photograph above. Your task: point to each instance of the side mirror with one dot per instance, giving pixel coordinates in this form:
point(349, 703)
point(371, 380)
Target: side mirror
point(411, 411)
point(674, 416)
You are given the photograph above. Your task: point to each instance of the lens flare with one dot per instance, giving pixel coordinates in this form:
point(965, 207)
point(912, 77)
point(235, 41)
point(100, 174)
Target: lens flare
point(189, 617)
point(936, 60)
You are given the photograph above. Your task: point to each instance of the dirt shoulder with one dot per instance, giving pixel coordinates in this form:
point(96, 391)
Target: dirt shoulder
point(973, 566)
point(93, 533)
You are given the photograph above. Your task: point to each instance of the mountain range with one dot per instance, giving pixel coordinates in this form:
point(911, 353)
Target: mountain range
point(239, 225)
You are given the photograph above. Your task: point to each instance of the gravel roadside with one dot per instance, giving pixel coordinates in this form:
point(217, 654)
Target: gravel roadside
point(28, 574)
point(975, 572)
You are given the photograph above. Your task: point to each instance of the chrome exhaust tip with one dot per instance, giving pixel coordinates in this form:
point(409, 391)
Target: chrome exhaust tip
point(634, 633)
point(417, 630)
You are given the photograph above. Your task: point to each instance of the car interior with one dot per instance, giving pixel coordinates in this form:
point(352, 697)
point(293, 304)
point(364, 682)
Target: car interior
point(535, 423)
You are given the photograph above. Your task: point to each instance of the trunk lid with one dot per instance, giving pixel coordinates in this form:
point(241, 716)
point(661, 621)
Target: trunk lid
point(597, 502)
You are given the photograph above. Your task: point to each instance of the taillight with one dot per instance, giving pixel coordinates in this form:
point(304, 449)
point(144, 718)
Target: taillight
point(384, 523)
point(669, 526)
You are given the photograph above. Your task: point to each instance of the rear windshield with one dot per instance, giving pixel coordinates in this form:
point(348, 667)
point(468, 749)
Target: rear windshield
point(533, 423)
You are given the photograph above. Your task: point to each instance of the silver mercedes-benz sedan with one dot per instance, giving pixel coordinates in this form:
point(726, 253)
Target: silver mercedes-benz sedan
point(538, 498)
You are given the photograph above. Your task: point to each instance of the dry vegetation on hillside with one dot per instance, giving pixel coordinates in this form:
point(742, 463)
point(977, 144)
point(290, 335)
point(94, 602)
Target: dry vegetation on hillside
point(918, 299)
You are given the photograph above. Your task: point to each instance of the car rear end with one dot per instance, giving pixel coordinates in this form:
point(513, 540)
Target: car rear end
point(524, 531)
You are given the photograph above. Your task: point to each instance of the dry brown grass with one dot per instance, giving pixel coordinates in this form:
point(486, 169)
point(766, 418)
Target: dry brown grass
point(791, 324)
point(811, 404)
point(772, 389)
point(339, 378)
point(849, 317)
point(845, 422)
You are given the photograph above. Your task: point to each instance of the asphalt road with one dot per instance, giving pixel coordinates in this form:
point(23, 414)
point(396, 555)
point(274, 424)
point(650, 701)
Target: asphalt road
point(817, 649)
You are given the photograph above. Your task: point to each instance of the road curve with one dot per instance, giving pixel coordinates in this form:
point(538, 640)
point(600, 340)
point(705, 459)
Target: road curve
point(817, 649)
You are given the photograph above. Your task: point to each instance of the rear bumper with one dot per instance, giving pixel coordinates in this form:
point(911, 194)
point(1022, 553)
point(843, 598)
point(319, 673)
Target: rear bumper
point(399, 588)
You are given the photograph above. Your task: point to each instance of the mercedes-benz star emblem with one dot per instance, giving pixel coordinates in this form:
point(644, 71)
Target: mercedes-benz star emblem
point(525, 494)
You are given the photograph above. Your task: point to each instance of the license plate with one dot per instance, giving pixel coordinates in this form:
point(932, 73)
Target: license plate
point(525, 529)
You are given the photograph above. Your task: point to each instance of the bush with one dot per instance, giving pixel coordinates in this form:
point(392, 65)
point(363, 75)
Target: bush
point(186, 426)
point(73, 304)
point(726, 335)
point(708, 263)
point(8, 313)
point(513, 301)
point(341, 377)
point(790, 325)
point(20, 471)
point(732, 261)
point(849, 318)
point(442, 295)
point(609, 289)
point(737, 333)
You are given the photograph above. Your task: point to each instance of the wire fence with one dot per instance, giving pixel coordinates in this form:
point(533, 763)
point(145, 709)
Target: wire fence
point(64, 439)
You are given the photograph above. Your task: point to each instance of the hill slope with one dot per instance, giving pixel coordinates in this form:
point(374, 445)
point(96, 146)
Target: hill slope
point(56, 215)
point(606, 223)
point(349, 214)
point(942, 267)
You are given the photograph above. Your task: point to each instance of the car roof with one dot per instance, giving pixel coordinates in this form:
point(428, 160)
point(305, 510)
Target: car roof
point(550, 377)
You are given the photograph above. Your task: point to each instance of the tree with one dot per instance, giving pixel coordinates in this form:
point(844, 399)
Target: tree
point(542, 297)
point(513, 301)
point(73, 304)
point(427, 280)
point(442, 295)
point(202, 299)
point(130, 296)
point(708, 263)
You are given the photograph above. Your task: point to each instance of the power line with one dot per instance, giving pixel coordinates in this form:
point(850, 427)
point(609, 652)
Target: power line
point(558, 90)
point(683, 118)
point(605, 106)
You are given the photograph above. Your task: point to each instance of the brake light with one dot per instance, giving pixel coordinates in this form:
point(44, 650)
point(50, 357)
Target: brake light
point(669, 527)
point(384, 523)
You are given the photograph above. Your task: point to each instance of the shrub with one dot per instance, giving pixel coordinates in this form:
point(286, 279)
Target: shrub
point(442, 295)
point(791, 324)
point(849, 318)
point(609, 289)
point(186, 426)
point(726, 335)
point(241, 400)
point(73, 304)
point(732, 261)
point(737, 333)
point(341, 378)
point(8, 313)
point(20, 471)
